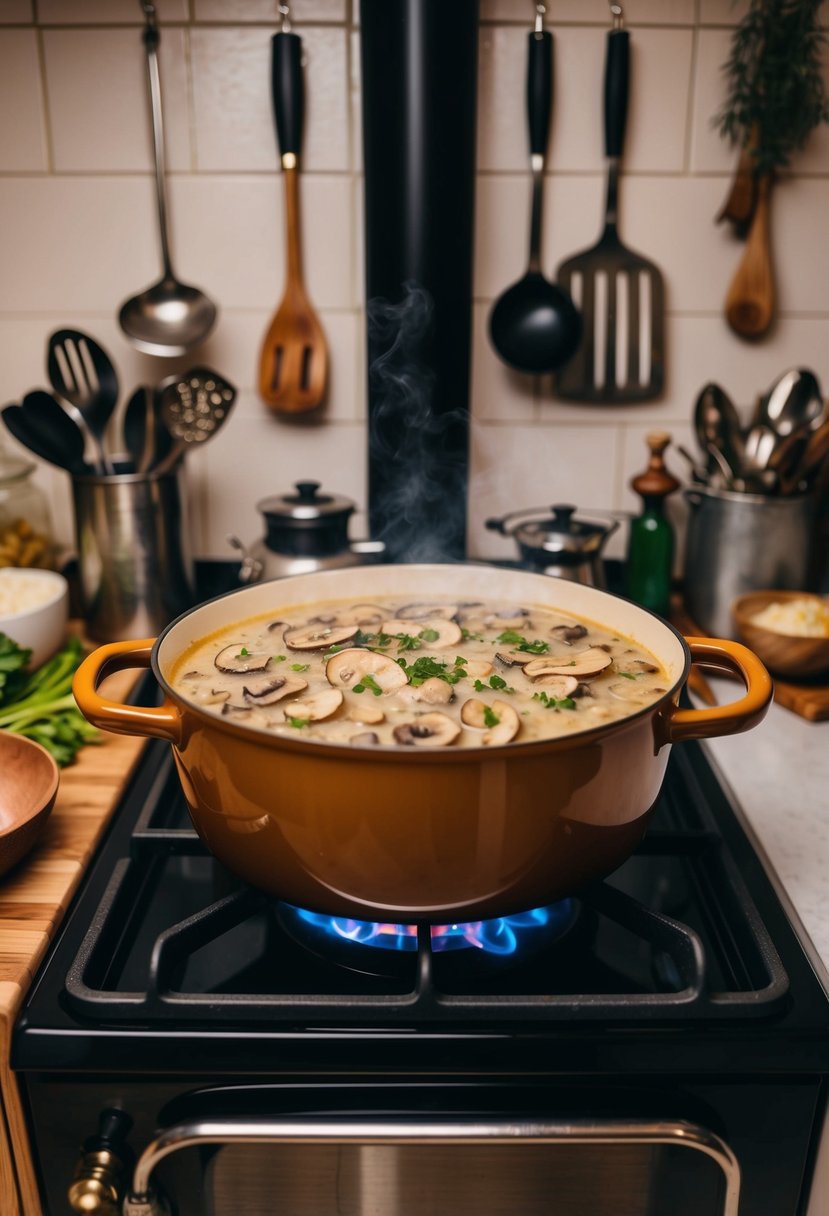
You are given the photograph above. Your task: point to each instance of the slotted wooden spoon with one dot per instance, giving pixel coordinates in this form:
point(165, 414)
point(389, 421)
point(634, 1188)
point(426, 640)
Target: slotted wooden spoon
point(293, 365)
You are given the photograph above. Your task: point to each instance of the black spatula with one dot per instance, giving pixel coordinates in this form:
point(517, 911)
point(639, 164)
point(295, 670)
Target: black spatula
point(620, 294)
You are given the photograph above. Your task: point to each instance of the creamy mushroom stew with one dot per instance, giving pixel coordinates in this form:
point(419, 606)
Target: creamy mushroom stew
point(427, 674)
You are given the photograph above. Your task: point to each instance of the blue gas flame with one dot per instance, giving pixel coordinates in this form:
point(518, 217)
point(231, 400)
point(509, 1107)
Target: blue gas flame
point(501, 936)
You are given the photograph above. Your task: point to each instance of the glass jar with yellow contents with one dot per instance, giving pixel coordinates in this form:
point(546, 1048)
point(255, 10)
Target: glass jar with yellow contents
point(25, 520)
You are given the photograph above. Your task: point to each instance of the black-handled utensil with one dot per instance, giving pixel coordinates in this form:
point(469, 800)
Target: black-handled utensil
point(621, 294)
point(534, 326)
point(82, 374)
point(39, 428)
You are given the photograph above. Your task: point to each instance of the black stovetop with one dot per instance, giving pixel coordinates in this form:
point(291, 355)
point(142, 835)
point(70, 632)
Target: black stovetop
point(682, 958)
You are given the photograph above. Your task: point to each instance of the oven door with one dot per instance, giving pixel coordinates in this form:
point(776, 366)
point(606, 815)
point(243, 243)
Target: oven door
point(382, 1160)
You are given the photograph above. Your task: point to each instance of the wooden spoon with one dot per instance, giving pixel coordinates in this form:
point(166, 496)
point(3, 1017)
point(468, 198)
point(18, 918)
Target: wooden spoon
point(749, 304)
point(293, 364)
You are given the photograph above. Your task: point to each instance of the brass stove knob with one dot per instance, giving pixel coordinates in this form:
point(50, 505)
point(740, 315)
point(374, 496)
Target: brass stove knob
point(101, 1173)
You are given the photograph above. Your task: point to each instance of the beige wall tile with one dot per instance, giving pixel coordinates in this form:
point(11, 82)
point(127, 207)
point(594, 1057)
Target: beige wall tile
point(253, 457)
point(520, 466)
point(709, 151)
point(22, 133)
point(265, 10)
point(109, 12)
point(229, 232)
point(13, 12)
point(233, 108)
point(107, 128)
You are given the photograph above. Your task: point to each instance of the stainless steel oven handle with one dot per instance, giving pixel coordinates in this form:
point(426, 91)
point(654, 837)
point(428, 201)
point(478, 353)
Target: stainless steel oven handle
point(143, 1201)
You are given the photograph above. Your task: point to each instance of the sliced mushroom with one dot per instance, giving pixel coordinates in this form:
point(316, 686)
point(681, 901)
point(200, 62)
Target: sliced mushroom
point(317, 637)
point(429, 730)
point(448, 632)
point(569, 633)
point(213, 696)
point(629, 690)
point(635, 666)
point(228, 709)
point(422, 612)
point(581, 691)
point(586, 663)
point(515, 658)
point(559, 686)
point(508, 618)
point(270, 689)
point(275, 625)
point(473, 713)
point(433, 691)
point(316, 708)
point(366, 738)
point(478, 669)
point(507, 728)
point(237, 660)
point(368, 714)
point(346, 669)
point(363, 615)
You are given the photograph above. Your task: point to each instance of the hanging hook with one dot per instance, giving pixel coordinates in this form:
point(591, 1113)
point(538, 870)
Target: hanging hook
point(540, 13)
point(617, 15)
point(285, 18)
point(149, 12)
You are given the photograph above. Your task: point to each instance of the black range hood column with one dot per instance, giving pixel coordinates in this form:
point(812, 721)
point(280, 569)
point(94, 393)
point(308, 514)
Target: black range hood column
point(419, 87)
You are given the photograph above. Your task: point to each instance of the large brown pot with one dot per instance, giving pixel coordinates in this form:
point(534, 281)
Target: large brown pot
point(422, 833)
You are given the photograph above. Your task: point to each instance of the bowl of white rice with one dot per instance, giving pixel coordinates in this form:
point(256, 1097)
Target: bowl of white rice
point(788, 630)
point(34, 608)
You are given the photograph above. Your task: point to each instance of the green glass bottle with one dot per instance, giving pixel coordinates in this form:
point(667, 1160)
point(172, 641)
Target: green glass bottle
point(650, 554)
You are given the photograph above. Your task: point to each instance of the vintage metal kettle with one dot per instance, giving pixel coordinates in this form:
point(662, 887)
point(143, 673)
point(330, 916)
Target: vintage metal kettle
point(304, 532)
point(559, 544)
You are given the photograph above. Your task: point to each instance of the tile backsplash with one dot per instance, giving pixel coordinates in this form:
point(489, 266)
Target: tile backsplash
point(79, 232)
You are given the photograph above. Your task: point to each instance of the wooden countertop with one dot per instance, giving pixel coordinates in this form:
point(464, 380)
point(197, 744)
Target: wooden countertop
point(33, 898)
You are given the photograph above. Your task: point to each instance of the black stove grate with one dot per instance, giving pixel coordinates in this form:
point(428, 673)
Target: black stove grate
point(672, 936)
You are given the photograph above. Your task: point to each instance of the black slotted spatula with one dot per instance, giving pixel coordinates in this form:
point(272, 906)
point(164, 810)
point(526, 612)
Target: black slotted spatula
point(621, 295)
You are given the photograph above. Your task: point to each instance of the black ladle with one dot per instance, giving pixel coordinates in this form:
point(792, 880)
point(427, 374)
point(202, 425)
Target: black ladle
point(534, 326)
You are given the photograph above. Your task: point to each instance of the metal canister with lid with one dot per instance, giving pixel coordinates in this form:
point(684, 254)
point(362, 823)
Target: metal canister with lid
point(559, 544)
point(304, 532)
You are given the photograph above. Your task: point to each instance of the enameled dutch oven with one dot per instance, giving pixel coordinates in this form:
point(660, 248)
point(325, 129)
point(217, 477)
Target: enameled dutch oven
point(422, 833)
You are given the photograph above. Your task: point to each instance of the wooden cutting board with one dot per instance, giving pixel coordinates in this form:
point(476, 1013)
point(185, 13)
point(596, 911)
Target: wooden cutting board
point(807, 700)
point(33, 898)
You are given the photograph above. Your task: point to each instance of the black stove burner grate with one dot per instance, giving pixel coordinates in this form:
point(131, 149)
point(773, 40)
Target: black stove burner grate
point(672, 936)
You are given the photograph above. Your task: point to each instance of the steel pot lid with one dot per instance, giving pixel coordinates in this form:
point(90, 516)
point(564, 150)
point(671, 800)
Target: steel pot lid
point(306, 506)
point(561, 533)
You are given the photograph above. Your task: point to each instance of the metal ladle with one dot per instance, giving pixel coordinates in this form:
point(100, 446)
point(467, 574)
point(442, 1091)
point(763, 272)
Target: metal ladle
point(169, 317)
point(534, 325)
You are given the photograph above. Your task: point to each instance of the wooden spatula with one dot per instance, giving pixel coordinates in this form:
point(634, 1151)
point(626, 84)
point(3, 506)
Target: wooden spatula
point(620, 294)
point(293, 365)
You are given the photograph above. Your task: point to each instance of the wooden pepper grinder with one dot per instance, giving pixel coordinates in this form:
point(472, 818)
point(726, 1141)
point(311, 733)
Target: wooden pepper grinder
point(651, 541)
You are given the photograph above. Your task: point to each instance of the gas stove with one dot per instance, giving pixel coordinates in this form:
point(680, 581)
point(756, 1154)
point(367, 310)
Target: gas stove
point(674, 994)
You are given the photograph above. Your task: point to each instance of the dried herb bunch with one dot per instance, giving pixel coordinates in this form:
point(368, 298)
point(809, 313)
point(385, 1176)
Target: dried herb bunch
point(776, 94)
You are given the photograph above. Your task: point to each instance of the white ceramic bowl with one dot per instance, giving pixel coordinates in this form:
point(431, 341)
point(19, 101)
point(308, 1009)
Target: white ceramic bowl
point(40, 627)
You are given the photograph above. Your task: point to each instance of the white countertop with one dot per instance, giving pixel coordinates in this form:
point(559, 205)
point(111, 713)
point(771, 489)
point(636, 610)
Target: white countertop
point(778, 775)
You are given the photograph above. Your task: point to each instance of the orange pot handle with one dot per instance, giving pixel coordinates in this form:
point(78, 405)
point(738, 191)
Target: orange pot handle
point(730, 658)
point(161, 722)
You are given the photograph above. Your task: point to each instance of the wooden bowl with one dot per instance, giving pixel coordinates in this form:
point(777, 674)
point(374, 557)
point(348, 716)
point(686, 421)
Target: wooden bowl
point(29, 781)
point(789, 655)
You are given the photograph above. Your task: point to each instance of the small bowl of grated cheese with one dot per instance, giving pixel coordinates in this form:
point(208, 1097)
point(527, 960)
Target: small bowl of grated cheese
point(788, 630)
point(34, 609)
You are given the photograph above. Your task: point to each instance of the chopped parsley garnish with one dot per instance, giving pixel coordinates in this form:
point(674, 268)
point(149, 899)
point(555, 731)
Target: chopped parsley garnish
point(368, 682)
point(361, 639)
point(552, 703)
point(490, 717)
point(407, 641)
point(427, 668)
point(429, 635)
point(469, 636)
point(300, 666)
point(298, 723)
point(494, 682)
point(511, 638)
point(627, 675)
point(243, 653)
point(279, 658)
